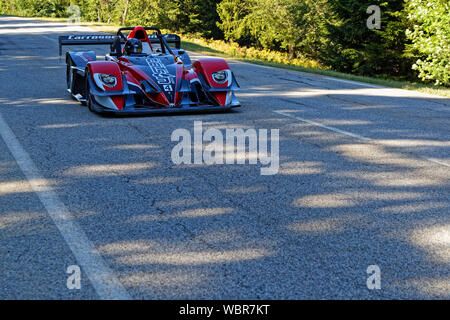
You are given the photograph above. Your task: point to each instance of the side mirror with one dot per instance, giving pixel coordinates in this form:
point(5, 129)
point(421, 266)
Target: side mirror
point(181, 52)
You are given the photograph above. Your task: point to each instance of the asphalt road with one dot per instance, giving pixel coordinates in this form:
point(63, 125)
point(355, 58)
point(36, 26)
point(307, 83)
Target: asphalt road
point(363, 180)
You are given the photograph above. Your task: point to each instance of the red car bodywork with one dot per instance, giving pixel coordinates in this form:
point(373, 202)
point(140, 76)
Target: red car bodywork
point(163, 80)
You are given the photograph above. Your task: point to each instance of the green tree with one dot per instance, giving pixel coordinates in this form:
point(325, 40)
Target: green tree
point(430, 36)
point(353, 47)
point(232, 15)
point(413, 40)
point(287, 25)
point(194, 16)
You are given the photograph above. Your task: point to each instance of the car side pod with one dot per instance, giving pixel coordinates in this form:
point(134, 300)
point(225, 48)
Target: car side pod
point(223, 91)
point(106, 84)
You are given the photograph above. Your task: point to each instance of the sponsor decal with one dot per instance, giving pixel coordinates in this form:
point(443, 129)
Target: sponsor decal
point(84, 56)
point(91, 37)
point(160, 73)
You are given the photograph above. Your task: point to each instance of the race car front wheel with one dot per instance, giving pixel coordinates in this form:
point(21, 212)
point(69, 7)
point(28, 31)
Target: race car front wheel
point(69, 78)
point(88, 93)
point(89, 101)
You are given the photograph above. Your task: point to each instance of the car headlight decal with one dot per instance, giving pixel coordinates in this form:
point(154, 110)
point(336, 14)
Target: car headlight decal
point(104, 79)
point(108, 80)
point(221, 76)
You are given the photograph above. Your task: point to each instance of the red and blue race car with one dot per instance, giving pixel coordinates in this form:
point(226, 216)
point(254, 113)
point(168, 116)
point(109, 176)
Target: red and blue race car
point(143, 74)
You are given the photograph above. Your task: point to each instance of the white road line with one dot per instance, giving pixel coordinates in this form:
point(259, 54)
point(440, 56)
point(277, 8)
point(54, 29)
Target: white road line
point(357, 136)
point(47, 37)
point(362, 84)
point(437, 161)
point(357, 83)
point(260, 66)
point(100, 275)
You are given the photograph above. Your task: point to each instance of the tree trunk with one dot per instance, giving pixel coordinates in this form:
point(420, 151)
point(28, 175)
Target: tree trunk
point(125, 13)
point(291, 51)
point(109, 12)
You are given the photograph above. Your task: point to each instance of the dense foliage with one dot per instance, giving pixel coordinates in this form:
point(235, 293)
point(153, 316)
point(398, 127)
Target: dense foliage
point(430, 36)
point(413, 42)
point(353, 47)
point(291, 25)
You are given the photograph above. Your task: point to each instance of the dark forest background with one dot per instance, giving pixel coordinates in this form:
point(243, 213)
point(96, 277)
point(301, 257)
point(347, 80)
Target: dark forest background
point(412, 44)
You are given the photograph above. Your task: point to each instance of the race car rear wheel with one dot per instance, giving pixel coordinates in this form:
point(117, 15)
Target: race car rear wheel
point(73, 82)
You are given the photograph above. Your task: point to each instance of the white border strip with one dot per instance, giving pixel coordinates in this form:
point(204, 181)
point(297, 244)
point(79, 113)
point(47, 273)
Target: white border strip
point(357, 136)
point(105, 283)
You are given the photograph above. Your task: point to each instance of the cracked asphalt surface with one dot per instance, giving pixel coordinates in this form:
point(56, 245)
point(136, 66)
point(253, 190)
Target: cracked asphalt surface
point(337, 205)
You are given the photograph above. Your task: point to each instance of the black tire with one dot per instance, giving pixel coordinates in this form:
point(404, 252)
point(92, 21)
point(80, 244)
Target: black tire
point(69, 77)
point(90, 104)
point(71, 83)
point(88, 93)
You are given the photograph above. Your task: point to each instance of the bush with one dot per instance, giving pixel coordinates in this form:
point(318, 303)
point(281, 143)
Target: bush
point(430, 36)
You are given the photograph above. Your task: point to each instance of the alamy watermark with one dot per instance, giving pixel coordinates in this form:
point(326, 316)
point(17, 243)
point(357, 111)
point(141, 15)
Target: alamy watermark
point(75, 14)
point(74, 280)
point(234, 146)
point(374, 279)
point(374, 20)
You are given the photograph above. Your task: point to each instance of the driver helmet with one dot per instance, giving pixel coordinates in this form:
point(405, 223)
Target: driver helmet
point(133, 46)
